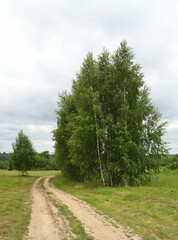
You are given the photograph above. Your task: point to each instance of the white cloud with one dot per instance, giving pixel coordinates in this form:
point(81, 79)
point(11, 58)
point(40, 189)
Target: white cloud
point(40, 135)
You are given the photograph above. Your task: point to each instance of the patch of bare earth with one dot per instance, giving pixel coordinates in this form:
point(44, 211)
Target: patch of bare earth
point(94, 223)
point(47, 223)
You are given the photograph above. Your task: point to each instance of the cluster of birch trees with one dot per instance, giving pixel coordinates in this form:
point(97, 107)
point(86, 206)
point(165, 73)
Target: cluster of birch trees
point(107, 127)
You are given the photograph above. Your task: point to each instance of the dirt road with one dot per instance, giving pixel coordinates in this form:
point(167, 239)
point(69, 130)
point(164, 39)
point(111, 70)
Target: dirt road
point(48, 223)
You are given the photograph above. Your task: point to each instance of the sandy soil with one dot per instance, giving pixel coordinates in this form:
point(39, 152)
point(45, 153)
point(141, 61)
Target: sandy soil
point(95, 224)
point(48, 223)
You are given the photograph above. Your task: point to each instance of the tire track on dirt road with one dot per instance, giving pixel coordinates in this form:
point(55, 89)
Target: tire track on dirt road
point(46, 221)
point(94, 223)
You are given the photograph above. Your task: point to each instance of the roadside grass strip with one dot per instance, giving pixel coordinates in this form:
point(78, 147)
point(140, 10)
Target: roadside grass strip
point(151, 210)
point(15, 206)
point(16, 201)
point(74, 224)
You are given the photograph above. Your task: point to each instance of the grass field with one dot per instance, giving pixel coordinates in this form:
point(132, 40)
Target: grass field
point(151, 211)
point(15, 202)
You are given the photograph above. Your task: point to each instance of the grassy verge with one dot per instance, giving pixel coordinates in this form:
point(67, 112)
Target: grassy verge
point(15, 206)
point(151, 211)
point(4, 172)
point(15, 202)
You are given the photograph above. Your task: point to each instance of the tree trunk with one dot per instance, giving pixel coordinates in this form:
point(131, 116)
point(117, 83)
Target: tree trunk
point(98, 151)
point(98, 145)
point(126, 183)
point(110, 175)
point(109, 172)
point(110, 178)
point(86, 178)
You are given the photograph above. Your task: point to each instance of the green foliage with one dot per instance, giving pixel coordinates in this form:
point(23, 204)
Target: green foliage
point(170, 161)
point(10, 167)
point(23, 156)
point(3, 165)
point(166, 160)
point(45, 161)
point(108, 127)
point(4, 157)
point(175, 158)
point(174, 163)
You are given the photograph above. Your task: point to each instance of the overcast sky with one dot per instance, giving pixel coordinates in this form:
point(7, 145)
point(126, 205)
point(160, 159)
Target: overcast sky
point(42, 46)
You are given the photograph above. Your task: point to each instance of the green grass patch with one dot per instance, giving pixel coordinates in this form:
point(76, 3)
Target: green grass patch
point(74, 223)
point(15, 202)
point(4, 172)
point(151, 211)
point(15, 206)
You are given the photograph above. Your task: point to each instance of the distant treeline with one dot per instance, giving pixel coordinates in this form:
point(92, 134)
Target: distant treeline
point(4, 160)
point(46, 161)
point(170, 162)
point(4, 157)
point(43, 161)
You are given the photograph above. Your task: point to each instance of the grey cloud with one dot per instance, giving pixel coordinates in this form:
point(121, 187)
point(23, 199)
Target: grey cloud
point(56, 36)
point(40, 135)
point(171, 138)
